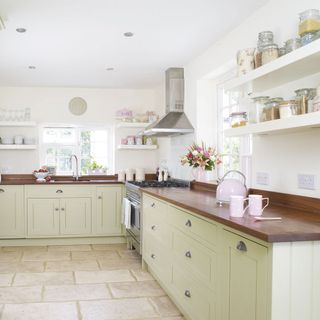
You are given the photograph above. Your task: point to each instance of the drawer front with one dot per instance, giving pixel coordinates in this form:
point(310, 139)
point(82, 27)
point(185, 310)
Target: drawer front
point(195, 300)
point(158, 259)
point(59, 191)
point(154, 207)
point(197, 258)
point(193, 226)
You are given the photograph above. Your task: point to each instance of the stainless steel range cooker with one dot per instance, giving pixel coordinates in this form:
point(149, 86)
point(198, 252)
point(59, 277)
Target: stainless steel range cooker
point(134, 195)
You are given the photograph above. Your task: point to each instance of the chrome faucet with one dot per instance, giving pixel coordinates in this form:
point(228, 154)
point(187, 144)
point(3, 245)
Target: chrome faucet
point(75, 174)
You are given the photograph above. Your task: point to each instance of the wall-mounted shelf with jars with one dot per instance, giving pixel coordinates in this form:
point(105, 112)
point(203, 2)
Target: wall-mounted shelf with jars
point(137, 147)
point(137, 125)
point(18, 147)
point(295, 65)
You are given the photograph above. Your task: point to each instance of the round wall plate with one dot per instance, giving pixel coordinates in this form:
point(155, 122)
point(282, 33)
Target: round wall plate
point(77, 106)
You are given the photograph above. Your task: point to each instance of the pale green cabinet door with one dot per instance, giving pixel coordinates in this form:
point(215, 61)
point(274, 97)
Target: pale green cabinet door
point(43, 217)
point(75, 216)
point(109, 210)
point(244, 281)
point(11, 212)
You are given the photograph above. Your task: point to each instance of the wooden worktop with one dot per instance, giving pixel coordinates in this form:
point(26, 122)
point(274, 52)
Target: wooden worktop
point(296, 224)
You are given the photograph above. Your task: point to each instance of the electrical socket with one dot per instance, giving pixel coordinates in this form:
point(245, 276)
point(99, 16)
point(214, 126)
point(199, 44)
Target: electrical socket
point(307, 181)
point(262, 178)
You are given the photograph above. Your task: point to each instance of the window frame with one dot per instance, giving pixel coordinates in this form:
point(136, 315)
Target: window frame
point(78, 129)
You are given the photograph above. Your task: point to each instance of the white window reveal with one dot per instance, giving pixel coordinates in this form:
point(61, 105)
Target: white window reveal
point(92, 146)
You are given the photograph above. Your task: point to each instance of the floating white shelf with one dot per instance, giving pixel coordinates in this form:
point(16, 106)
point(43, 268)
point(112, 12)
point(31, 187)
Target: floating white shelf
point(17, 124)
point(295, 65)
point(132, 124)
point(137, 147)
point(288, 125)
point(18, 147)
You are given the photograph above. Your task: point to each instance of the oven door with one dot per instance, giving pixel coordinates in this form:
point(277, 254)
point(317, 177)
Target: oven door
point(134, 231)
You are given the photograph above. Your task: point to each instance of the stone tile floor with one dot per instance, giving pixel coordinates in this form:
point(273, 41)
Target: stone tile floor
point(79, 282)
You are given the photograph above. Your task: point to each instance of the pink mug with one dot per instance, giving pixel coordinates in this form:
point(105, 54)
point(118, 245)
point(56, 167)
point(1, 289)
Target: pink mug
point(255, 204)
point(236, 206)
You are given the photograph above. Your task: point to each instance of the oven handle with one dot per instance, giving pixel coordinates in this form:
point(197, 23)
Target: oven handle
point(135, 204)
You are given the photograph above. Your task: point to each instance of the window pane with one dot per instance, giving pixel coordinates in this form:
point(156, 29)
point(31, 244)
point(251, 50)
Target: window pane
point(59, 135)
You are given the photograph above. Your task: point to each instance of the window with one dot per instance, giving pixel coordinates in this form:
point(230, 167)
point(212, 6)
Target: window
point(92, 146)
point(236, 151)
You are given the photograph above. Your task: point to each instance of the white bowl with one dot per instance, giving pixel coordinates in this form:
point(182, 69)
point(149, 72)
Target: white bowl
point(40, 175)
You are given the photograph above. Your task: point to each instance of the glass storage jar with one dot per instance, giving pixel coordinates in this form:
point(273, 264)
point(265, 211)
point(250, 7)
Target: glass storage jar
point(292, 44)
point(271, 109)
point(258, 105)
point(282, 51)
point(288, 108)
point(316, 101)
point(264, 38)
point(309, 21)
point(303, 97)
point(245, 60)
point(270, 52)
point(238, 119)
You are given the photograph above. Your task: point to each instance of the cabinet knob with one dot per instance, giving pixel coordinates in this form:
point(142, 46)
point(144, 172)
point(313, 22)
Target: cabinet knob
point(59, 191)
point(153, 205)
point(153, 227)
point(187, 293)
point(241, 246)
point(100, 197)
point(56, 209)
point(188, 254)
point(62, 209)
point(188, 223)
point(153, 256)
point(1, 191)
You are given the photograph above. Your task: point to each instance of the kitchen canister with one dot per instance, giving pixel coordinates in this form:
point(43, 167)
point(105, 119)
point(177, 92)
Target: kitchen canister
point(129, 174)
point(18, 139)
point(245, 60)
point(140, 175)
point(121, 176)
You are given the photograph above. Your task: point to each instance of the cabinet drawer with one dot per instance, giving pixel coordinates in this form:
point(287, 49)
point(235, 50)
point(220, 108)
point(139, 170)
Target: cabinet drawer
point(197, 258)
point(153, 206)
point(195, 299)
point(193, 226)
point(157, 258)
point(58, 191)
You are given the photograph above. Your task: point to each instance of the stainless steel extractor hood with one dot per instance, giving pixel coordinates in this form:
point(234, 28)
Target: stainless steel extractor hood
point(175, 121)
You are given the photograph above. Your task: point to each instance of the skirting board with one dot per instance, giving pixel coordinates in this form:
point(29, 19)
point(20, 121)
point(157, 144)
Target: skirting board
point(61, 241)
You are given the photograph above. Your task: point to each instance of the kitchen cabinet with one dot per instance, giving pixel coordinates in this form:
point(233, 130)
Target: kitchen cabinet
point(43, 217)
point(215, 272)
point(108, 218)
point(75, 216)
point(244, 278)
point(12, 222)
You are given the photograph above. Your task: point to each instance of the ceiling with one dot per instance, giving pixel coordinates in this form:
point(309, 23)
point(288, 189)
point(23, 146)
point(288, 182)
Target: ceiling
point(72, 42)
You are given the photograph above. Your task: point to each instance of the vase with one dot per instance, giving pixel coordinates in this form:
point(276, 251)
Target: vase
point(199, 174)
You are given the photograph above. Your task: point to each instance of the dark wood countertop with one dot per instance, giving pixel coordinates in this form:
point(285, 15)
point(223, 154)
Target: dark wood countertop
point(296, 225)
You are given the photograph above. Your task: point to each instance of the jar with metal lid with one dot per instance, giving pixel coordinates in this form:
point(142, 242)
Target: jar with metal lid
point(303, 96)
point(258, 105)
point(288, 108)
point(309, 21)
point(269, 53)
point(271, 109)
point(264, 38)
point(238, 119)
point(292, 44)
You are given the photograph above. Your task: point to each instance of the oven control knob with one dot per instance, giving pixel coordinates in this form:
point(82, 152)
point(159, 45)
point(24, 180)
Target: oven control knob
point(153, 256)
point(153, 227)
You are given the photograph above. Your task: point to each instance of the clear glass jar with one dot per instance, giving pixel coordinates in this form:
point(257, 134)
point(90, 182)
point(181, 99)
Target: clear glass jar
point(309, 21)
point(258, 105)
point(316, 101)
point(308, 38)
point(238, 119)
point(269, 53)
point(292, 44)
point(302, 97)
point(265, 38)
point(282, 51)
point(271, 109)
point(288, 109)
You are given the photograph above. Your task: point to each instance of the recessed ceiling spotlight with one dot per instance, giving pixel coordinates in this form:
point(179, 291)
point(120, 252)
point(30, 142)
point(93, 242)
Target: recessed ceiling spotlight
point(32, 67)
point(128, 34)
point(21, 30)
point(110, 69)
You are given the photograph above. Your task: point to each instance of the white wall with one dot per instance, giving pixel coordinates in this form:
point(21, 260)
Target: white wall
point(50, 105)
point(283, 157)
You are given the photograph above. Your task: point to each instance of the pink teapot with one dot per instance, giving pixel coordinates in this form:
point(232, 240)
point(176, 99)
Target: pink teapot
point(231, 187)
